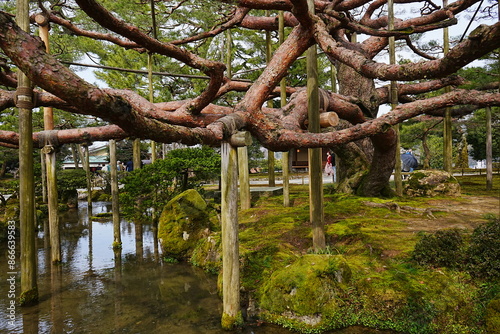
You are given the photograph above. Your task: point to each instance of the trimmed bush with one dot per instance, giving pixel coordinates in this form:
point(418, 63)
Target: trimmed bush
point(444, 248)
point(484, 250)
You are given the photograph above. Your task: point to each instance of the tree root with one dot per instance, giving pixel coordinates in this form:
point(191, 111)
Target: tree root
point(428, 212)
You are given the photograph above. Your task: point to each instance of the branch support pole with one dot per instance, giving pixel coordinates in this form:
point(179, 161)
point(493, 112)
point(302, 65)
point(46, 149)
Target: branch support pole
point(316, 212)
point(270, 154)
point(447, 136)
point(398, 180)
point(49, 151)
point(117, 239)
point(29, 288)
point(285, 158)
point(489, 151)
point(231, 316)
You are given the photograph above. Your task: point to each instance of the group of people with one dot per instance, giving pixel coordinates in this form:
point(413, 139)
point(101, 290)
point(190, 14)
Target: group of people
point(127, 167)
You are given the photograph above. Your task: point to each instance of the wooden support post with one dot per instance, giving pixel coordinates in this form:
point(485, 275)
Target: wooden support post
point(231, 316)
point(489, 151)
point(117, 239)
point(398, 179)
point(136, 151)
point(315, 166)
point(49, 152)
point(44, 178)
point(89, 179)
point(270, 154)
point(447, 135)
point(52, 201)
point(245, 197)
point(24, 101)
point(285, 158)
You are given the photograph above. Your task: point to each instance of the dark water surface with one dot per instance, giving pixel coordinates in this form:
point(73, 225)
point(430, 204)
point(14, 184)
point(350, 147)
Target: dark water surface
point(96, 290)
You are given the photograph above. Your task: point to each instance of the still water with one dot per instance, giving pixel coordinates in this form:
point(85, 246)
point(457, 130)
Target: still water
point(96, 290)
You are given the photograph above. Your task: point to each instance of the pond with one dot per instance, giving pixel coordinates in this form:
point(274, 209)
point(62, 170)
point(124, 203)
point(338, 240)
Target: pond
point(97, 290)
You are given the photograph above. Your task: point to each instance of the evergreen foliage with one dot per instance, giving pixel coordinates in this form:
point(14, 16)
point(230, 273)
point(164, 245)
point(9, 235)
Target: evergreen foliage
point(148, 189)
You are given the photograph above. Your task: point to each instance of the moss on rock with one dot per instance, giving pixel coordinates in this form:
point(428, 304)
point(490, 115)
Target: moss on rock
point(306, 288)
point(430, 183)
point(184, 221)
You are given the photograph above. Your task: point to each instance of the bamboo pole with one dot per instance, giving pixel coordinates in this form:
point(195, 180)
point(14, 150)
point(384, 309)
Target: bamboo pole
point(231, 316)
point(117, 242)
point(285, 158)
point(270, 154)
point(447, 136)
point(315, 168)
point(29, 288)
point(398, 180)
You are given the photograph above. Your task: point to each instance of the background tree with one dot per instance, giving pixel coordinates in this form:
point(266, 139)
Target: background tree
point(148, 189)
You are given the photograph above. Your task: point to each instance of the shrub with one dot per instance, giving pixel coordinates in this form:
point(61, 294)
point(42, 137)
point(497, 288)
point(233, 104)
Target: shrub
point(68, 180)
point(444, 248)
point(484, 250)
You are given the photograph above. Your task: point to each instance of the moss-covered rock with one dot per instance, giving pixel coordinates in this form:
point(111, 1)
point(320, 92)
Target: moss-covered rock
point(430, 183)
point(184, 221)
point(305, 290)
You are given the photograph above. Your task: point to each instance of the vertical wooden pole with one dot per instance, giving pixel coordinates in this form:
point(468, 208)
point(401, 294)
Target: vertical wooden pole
point(151, 99)
point(270, 154)
point(314, 154)
point(150, 73)
point(244, 178)
point(285, 159)
point(50, 161)
point(117, 242)
point(231, 316)
point(489, 151)
point(447, 136)
point(333, 71)
point(398, 180)
point(29, 288)
point(89, 179)
point(136, 151)
point(44, 178)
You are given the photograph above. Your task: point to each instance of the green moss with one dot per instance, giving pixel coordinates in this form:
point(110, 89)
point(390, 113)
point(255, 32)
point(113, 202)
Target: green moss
point(493, 316)
point(29, 297)
point(231, 322)
point(183, 222)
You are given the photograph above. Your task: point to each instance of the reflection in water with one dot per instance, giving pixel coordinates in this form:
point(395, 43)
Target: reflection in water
point(98, 290)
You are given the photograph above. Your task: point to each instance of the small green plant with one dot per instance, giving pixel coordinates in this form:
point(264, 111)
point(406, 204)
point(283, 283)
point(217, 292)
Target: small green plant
point(167, 259)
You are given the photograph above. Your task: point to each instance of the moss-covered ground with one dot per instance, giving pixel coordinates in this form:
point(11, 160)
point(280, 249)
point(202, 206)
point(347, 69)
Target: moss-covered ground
point(365, 276)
